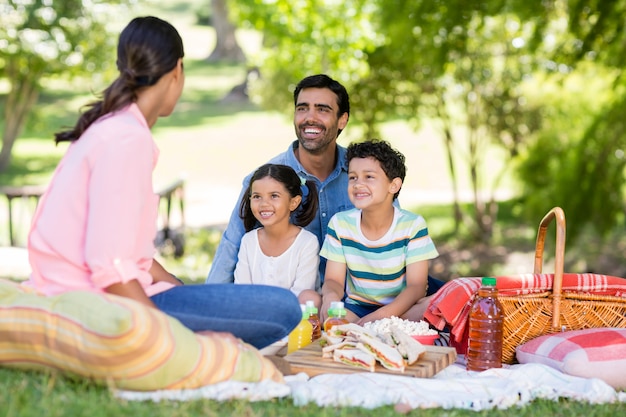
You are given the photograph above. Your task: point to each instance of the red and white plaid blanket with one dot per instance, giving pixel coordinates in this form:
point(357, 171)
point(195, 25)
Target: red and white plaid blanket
point(450, 305)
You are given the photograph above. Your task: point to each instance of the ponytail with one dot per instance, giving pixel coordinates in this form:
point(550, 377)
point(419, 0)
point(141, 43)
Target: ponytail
point(148, 47)
point(308, 207)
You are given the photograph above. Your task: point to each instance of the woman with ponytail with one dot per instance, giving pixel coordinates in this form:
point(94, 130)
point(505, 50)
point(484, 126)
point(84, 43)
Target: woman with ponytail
point(95, 226)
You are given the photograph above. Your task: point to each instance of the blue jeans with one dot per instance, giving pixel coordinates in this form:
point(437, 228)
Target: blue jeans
point(258, 314)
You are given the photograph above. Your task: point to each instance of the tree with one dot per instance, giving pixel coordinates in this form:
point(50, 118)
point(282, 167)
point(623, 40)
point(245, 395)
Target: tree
point(43, 39)
point(226, 46)
point(467, 64)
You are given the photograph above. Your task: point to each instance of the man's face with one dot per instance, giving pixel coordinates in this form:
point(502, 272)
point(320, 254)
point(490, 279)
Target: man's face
point(315, 119)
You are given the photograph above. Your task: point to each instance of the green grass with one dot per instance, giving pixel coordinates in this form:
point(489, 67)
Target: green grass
point(26, 394)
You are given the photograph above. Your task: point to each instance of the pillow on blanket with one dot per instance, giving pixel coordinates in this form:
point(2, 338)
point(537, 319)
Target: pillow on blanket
point(589, 353)
point(119, 342)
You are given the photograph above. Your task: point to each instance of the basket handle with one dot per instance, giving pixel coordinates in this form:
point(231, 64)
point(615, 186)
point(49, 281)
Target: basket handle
point(559, 260)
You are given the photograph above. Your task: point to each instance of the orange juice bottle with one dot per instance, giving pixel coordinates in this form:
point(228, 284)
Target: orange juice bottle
point(301, 335)
point(336, 315)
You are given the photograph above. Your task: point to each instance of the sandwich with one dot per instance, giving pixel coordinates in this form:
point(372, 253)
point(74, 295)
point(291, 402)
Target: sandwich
point(355, 357)
point(409, 348)
point(327, 351)
point(328, 340)
point(387, 355)
point(349, 329)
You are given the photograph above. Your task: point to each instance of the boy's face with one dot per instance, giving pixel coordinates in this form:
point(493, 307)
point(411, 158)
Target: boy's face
point(368, 185)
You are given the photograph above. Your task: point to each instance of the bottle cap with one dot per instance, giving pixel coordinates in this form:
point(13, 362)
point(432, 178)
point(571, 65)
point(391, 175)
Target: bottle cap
point(488, 281)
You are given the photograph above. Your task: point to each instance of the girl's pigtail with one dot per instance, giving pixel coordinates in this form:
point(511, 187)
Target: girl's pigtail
point(308, 208)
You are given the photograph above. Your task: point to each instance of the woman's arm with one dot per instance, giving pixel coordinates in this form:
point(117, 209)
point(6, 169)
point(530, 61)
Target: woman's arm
point(131, 289)
point(160, 274)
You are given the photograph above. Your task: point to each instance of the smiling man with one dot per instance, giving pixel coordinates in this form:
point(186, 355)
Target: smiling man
point(322, 110)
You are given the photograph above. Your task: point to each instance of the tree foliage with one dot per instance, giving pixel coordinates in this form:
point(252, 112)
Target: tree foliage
point(471, 66)
point(48, 38)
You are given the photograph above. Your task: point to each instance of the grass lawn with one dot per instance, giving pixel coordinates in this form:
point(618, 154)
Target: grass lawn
point(26, 394)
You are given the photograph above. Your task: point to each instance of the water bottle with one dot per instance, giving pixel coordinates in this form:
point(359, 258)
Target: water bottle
point(314, 319)
point(484, 348)
point(301, 335)
point(336, 315)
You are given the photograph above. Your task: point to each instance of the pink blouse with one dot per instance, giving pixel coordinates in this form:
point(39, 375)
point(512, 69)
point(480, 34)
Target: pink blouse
point(96, 223)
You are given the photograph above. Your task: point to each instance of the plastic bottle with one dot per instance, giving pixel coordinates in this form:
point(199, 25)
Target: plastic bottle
point(301, 335)
point(484, 348)
point(336, 315)
point(314, 319)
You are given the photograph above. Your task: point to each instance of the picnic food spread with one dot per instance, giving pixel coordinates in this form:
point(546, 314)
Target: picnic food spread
point(394, 349)
point(350, 348)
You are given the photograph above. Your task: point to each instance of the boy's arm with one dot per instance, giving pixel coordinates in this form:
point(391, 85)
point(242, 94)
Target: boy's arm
point(416, 282)
point(333, 288)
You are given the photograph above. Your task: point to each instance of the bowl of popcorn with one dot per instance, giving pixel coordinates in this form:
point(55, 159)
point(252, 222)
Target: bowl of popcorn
point(418, 330)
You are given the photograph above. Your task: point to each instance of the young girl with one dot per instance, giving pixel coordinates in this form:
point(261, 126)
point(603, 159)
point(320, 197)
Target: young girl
point(280, 252)
point(95, 226)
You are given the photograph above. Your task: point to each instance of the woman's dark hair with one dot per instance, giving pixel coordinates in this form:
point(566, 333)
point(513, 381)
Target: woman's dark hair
point(391, 161)
point(148, 48)
point(303, 215)
point(324, 81)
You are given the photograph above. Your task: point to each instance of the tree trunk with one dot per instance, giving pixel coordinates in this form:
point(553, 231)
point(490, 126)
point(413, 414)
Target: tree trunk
point(22, 97)
point(449, 144)
point(226, 46)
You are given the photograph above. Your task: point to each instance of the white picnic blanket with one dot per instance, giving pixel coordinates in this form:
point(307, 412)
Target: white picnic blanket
point(454, 387)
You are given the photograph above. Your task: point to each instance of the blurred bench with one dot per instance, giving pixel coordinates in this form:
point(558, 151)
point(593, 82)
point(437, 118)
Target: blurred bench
point(169, 194)
point(167, 240)
point(25, 192)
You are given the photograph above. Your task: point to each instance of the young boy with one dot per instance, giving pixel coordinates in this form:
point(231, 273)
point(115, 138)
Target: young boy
point(377, 254)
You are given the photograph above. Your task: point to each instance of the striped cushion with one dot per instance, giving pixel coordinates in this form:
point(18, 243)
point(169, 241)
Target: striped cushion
point(117, 341)
point(590, 353)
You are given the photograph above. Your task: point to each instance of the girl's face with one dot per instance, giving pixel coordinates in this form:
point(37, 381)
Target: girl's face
point(270, 201)
point(368, 185)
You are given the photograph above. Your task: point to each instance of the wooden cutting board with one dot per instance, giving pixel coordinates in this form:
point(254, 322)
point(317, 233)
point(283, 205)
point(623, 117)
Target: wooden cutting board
point(309, 360)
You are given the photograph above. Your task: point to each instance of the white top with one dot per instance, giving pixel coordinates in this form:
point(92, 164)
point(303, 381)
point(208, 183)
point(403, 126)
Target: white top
point(295, 269)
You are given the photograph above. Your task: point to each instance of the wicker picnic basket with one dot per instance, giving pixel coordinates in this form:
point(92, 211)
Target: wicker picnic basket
point(532, 315)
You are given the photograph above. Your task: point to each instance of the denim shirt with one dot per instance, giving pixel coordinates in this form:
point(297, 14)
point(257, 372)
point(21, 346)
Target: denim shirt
point(333, 198)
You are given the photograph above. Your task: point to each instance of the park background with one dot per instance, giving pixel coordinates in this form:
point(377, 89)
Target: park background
point(497, 126)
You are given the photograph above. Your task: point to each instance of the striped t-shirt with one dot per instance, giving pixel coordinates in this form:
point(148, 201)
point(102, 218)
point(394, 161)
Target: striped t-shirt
point(376, 269)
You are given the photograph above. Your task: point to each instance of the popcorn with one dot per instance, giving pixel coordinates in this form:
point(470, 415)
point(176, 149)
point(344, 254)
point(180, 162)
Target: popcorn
point(412, 328)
